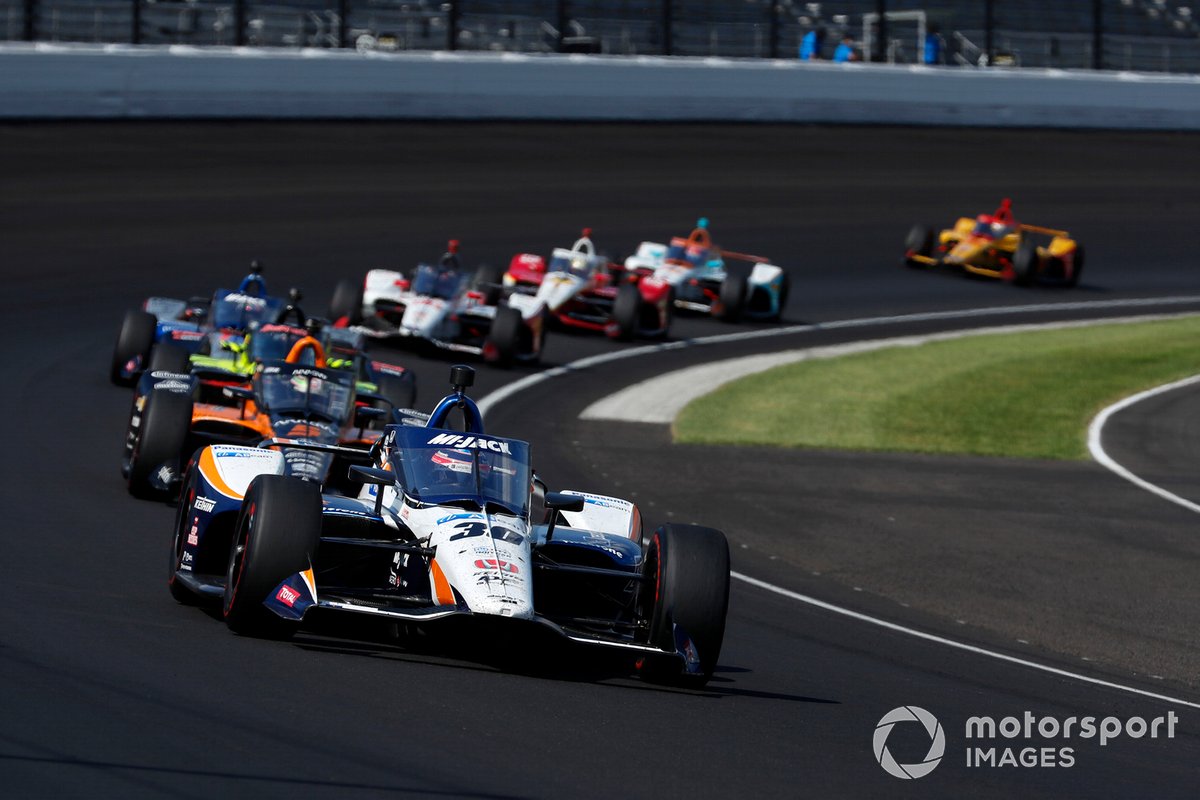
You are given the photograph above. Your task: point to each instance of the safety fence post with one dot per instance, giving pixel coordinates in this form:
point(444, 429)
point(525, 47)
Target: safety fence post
point(452, 25)
point(239, 23)
point(989, 25)
point(773, 37)
point(135, 33)
point(881, 39)
point(1097, 34)
point(30, 32)
point(560, 22)
point(666, 27)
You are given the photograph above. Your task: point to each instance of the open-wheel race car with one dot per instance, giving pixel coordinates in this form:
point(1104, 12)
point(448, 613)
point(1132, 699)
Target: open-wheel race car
point(295, 399)
point(446, 307)
point(184, 325)
point(711, 280)
point(441, 529)
point(996, 245)
point(582, 289)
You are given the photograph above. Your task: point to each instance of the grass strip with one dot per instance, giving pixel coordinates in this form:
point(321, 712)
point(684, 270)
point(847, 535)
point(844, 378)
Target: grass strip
point(1027, 395)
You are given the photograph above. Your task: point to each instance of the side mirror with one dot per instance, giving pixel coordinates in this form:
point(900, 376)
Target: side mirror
point(238, 393)
point(558, 501)
point(378, 477)
point(365, 414)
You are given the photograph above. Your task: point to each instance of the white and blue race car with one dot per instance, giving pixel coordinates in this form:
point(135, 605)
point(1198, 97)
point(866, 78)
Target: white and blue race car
point(442, 529)
point(711, 280)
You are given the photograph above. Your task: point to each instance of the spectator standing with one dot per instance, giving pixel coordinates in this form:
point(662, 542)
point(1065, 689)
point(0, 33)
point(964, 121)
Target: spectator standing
point(933, 45)
point(845, 51)
point(811, 44)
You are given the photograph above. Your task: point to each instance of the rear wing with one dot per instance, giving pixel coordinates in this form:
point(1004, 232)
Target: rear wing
point(1045, 231)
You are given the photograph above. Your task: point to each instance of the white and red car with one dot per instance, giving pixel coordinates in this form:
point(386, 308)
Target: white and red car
point(581, 288)
point(446, 307)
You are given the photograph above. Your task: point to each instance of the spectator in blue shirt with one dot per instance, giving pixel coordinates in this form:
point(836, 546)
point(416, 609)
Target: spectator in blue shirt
point(933, 46)
point(810, 45)
point(845, 51)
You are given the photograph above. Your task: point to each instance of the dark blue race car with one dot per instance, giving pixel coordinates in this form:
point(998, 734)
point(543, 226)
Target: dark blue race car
point(186, 324)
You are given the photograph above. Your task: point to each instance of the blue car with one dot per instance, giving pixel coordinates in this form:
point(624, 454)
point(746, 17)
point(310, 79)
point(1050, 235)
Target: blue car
point(185, 324)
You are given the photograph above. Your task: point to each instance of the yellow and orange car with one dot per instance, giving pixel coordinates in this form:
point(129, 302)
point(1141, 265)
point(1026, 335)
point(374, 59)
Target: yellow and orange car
point(996, 245)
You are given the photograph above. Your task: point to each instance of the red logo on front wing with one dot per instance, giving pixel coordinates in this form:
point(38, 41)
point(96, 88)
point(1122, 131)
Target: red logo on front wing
point(288, 596)
point(491, 563)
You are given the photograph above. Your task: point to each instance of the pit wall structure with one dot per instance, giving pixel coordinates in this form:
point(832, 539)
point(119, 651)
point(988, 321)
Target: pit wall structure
point(65, 81)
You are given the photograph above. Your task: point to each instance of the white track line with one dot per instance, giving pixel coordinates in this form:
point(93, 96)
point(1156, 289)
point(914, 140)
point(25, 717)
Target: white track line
point(494, 398)
point(1095, 431)
point(970, 648)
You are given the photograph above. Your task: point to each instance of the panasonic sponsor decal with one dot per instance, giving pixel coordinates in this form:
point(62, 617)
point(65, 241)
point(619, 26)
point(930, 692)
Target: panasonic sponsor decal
point(1019, 741)
point(457, 442)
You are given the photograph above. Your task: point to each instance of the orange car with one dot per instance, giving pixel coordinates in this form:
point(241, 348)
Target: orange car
point(298, 405)
point(997, 246)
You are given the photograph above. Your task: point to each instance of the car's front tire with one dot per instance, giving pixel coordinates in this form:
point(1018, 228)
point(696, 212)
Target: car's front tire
point(734, 294)
point(504, 337)
point(133, 343)
point(276, 536)
point(918, 242)
point(686, 583)
point(158, 441)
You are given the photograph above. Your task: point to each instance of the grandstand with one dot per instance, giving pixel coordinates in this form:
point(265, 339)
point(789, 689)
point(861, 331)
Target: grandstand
point(1151, 35)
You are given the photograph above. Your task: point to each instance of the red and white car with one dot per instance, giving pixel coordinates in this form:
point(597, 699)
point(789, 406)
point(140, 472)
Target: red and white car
point(580, 288)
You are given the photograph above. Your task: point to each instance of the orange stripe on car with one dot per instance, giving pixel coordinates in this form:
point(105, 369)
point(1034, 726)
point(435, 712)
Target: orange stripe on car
point(208, 468)
point(442, 593)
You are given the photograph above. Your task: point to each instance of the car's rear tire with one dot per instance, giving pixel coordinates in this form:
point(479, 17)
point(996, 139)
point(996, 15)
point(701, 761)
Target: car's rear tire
point(133, 342)
point(504, 337)
point(1025, 263)
point(918, 242)
point(347, 302)
point(277, 534)
point(735, 291)
point(784, 288)
point(158, 443)
point(686, 586)
point(489, 281)
point(167, 357)
point(626, 311)
point(1076, 267)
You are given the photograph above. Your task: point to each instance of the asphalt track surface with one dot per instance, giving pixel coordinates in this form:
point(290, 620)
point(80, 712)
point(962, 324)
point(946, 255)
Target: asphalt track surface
point(110, 689)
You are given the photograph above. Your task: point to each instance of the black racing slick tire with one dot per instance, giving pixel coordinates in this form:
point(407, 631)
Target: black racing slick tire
point(504, 337)
point(918, 242)
point(167, 357)
point(686, 586)
point(489, 281)
point(626, 311)
point(1076, 267)
point(277, 534)
point(133, 342)
point(735, 291)
point(158, 441)
point(183, 523)
point(1025, 263)
point(347, 302)
point(785, 288)
point(399, 390)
